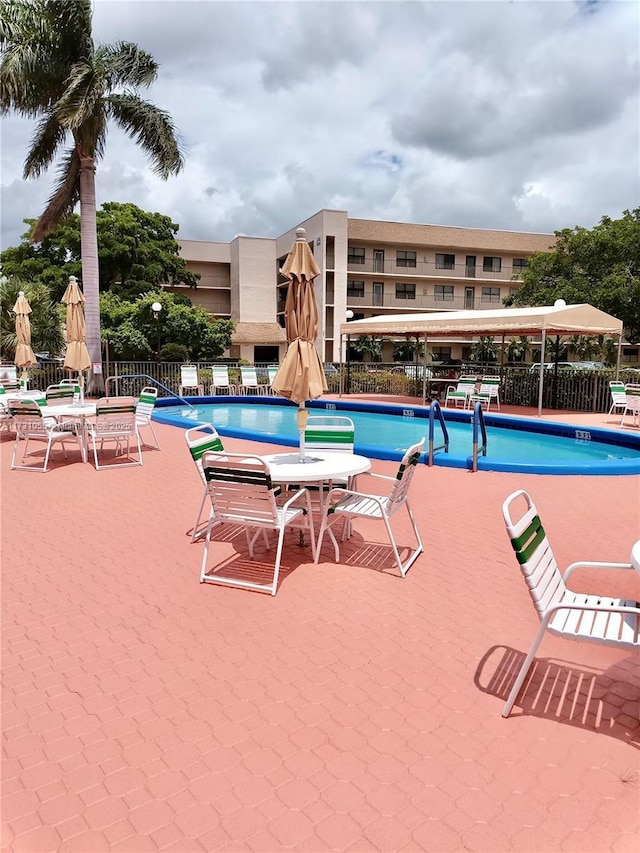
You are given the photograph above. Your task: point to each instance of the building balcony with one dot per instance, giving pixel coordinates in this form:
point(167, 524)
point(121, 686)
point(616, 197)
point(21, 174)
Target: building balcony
point(429, 269)
point(425, 302)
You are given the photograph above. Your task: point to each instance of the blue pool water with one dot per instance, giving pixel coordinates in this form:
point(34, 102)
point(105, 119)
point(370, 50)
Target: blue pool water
point(382, 431)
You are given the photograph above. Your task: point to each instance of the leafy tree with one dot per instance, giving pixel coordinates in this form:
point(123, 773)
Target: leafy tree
point(133, 332)
point(600, 266)
point(484, 349)
point(52, 71)
point(137, 251)
point(47, 318)
point(409, 350)
point(517, 348)
point(368, 345)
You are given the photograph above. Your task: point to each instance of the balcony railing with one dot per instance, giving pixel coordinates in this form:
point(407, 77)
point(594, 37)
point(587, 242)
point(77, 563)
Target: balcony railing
point(424, 302)
point(376, 266)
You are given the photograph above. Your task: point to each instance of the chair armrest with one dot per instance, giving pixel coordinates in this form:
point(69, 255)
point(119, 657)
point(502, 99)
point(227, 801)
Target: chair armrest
point(596, 608)
point(386, 477)
point(294, 498)
point(594, 565)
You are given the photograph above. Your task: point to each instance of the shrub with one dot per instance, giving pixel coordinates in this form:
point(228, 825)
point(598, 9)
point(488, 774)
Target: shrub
point(174, 352)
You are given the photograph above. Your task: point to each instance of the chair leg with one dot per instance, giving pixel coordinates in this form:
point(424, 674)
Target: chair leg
point(155, 437)
point(524, 669)
point(195, 534)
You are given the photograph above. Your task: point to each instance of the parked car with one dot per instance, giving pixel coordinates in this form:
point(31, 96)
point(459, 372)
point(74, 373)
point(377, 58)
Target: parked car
point(590, 365)
point(330, 370)
point(413, 371)
point(551, 365)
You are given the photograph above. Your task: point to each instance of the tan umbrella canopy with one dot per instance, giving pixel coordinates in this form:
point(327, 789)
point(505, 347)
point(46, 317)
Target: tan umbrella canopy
point(24, 354)
point(300, 376)
point(77, 355)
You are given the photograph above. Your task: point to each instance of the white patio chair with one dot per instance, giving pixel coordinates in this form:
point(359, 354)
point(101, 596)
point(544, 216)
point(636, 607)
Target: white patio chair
point(242, 493)
point(249, 381)
point(575, 615)
point(272, 371)
point(460, 393)
point(200, 440)
point(348, 504)
point(144, 409)
point(189, 380)
point(220, 380)
point(31, 425)
point(62, 392)
point(618, 398)
point(115, 422)
point(632, 393)
point(489, 392)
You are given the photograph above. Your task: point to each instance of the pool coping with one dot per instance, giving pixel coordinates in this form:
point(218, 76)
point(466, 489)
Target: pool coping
point(513, 422)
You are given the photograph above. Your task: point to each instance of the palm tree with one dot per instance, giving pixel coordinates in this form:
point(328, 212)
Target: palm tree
point(51, 70)
point(46, 318)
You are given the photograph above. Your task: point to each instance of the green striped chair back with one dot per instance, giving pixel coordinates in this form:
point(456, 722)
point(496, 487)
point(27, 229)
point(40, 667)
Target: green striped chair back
point(116, 414)
point(240, 489)
point(272, 374)
point(200, 440)
point(405, 475)
point(59, 392)
point(534, 555)
point(10, 387)
point(220, 375)
point(146, 402)
point(25, 409)
point(329, 432)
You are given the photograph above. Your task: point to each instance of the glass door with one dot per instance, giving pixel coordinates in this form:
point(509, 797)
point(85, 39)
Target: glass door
point(471, 266)
point(378, 260)
point(469, 298)
point(378, 293)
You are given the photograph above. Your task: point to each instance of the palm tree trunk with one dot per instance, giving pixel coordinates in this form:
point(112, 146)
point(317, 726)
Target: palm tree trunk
point(90, 272)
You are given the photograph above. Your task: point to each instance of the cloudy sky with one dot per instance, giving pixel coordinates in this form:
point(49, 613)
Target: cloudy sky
point(515, 115)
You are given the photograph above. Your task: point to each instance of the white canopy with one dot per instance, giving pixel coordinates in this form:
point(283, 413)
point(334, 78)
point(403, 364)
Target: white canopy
point(558, 319)
point(555, 320)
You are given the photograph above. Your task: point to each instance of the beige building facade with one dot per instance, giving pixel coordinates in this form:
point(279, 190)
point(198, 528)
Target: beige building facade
point(368, 267)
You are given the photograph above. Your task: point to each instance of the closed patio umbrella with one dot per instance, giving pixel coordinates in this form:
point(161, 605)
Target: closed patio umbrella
point(77, 355)
point(24, 356)
point(300, 376)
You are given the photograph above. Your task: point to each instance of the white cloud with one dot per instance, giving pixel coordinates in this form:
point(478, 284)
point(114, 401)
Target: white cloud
point(490, 114)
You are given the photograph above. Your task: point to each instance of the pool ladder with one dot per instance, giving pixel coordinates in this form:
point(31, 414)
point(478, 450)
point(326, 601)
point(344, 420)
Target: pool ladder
point(116, 379)
point(436, 412)
point(479, 428)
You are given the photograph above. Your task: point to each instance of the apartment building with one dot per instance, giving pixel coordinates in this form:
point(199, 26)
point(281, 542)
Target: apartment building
point(368, 267)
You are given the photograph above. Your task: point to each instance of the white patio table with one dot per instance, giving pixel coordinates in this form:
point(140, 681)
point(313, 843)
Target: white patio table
point(74, 410)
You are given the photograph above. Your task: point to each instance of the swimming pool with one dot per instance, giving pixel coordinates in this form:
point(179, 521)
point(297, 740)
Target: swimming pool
point(385, 431)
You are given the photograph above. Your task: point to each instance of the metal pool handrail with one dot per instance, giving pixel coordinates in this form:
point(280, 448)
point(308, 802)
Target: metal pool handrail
point(144, 376)
point(435, 410)
point(478, 426)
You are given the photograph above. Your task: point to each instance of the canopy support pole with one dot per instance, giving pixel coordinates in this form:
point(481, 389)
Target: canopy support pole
point(619, 355)
point(424, 371)
point(541, 382)
point(341, 386)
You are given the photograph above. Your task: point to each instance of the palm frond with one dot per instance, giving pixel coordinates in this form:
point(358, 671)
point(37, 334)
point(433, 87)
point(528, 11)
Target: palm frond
point(152, 128)
point(48, 137)
point(126, 64)
point(63, 200)
point(83, 90)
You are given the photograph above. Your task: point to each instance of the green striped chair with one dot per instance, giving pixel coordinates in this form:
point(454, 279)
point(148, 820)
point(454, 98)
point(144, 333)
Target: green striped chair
point(460, 393)
point(563, 612)
point(220, 380)
point(346, 504)
point(201, 439)
point(115, 422)
point(249, 381)
point(59, 392)
point(272, 371)
point(31, 425)
point(489, 392)
point(144, 409)
point(242, 493)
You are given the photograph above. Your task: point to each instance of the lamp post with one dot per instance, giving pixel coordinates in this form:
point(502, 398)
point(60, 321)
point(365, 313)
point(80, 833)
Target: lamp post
point(349, 316)
point(157, 308)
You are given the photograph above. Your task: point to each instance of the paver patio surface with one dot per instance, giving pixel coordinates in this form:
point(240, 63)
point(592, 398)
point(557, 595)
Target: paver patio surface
point(143, 711)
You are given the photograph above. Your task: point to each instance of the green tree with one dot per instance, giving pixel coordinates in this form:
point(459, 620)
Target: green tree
point(137, 250)
point(51, 70)
point(368, 345)
point(133, 332)
point(484, 349)
point(47, 318)
point(600, 266)
point(517, 348)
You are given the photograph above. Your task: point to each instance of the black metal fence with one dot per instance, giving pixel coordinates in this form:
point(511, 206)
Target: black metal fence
point(575, 390)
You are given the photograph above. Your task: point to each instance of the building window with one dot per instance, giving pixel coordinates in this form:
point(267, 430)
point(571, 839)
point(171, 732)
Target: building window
point(519, 264)
point(441, 353)
point(630, 354)
point(355, 289)
point(406, 259)
point(445, 262)
point(490, 294)
point(405, 291)
point(443, 293)
point(491, 264)
point(355, 255)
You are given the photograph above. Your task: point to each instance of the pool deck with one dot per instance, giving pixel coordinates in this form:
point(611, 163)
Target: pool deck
point(356, 711)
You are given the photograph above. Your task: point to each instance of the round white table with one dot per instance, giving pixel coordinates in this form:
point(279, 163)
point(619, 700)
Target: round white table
point(318, 467)
point(635, 556)
point(73, 410)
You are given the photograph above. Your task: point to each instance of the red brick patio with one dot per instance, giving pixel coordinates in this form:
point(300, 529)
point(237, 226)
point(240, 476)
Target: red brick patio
point(354, 711)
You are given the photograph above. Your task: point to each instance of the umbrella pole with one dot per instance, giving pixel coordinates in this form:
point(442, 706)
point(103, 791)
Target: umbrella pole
point(303, 416)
